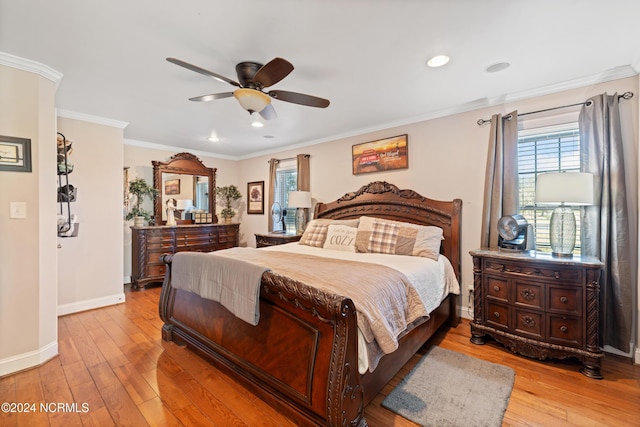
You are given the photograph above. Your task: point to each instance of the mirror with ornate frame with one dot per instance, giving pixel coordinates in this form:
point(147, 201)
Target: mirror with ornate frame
point(187, 180)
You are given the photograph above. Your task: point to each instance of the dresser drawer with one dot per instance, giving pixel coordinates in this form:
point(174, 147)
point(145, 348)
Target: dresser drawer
point(156, 270)
point(498, 315)
point(228, 235)
point(561, 274)
point(565, 300)
point(497, 288)
point(529, 323)
point(528, 294)
point(564, 330)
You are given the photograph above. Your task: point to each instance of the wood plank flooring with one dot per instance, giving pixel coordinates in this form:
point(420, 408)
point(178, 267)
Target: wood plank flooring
point(114, 364)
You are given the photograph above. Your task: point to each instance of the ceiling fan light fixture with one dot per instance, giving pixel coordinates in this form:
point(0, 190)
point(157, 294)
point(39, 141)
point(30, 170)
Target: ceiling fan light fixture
point(252, 100)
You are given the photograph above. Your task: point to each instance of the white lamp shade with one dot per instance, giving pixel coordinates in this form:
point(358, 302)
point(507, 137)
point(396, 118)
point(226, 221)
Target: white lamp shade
point(569, 188)
point(252, 100)
point(299, 199)
point(184, 204)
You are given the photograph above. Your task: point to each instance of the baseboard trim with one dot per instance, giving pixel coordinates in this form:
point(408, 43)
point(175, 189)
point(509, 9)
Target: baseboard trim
point(76, 307)
point(636, 358)
point(14, 364)
point(465, 312)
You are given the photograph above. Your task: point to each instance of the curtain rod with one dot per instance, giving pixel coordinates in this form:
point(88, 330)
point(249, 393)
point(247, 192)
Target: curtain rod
point(626, 95)
point(290, 158)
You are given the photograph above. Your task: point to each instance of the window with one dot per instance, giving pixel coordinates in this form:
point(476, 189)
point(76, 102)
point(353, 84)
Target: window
point(549, 149)
point(286, 180)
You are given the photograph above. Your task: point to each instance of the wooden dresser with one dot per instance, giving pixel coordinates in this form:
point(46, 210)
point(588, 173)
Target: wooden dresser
point(538, 305)
point(149, 243)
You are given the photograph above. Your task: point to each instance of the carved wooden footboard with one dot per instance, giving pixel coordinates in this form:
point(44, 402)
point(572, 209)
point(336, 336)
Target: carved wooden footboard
point(302, 357)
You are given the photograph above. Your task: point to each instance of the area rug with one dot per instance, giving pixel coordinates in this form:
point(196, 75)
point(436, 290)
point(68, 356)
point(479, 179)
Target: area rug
point(447, 388)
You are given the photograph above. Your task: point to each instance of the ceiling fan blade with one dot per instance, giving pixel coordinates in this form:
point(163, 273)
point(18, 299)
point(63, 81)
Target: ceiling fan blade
point(268, 112)
point(273, 71)
point(203, 71)
point(212, 96)
point(299, 98)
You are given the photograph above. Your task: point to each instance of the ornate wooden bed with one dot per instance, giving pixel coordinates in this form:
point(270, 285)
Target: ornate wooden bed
point(302, 356)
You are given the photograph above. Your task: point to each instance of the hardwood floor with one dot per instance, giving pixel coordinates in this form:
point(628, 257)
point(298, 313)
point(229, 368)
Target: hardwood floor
point(114, 366)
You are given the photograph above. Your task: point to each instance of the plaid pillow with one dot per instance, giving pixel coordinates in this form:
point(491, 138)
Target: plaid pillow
point(384, 237)
point(413, 239)
point(314, 235)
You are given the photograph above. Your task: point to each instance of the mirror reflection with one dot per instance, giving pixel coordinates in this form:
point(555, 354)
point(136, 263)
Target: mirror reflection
point(190, 194)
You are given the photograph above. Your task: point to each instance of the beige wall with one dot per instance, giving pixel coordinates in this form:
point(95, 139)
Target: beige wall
point(28, 246)
point(90, 265)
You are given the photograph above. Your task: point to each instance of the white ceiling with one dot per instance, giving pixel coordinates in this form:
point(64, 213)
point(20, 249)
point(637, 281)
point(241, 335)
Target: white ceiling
point(367, 57)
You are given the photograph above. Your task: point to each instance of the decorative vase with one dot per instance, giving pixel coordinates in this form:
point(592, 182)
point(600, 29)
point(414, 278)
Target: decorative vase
point(138, 221)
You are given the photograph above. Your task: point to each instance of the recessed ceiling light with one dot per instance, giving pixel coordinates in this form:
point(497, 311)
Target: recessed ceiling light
point(438, 61)
point(213, 139)
point(498, 66)
point(257, 124)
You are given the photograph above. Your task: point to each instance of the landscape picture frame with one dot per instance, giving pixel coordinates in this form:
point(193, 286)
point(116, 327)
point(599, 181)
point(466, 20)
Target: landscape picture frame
point(380, 155)
point(15, 154)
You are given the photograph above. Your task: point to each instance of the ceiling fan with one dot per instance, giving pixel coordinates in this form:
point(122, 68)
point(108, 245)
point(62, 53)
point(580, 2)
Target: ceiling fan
point(253, 78)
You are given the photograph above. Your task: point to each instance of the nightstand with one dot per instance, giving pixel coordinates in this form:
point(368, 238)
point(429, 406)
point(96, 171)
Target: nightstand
point(272, 239)
point(538, 305)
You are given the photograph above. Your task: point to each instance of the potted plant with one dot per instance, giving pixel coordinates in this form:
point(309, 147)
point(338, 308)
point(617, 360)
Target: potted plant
point(140, 188)
point(229, 194)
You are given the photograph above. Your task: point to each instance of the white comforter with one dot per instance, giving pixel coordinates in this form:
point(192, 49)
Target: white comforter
point(433, 280)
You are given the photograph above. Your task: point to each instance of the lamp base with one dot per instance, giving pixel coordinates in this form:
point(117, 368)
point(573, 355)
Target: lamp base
point(301, 221)
point(562, 232)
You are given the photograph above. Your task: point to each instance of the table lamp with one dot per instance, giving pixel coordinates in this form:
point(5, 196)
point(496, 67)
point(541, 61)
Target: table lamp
point(564, 189)
point(300, 200)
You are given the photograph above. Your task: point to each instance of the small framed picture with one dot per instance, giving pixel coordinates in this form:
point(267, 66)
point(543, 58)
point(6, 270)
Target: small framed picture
point(255, 197)
point(381, 155)
point(15, 154)
point(172, 186)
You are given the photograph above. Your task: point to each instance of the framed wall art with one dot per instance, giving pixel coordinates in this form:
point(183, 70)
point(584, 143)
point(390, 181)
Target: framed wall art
point(255, 197)
point(380, 155)
point(172, 186)
point(15, 154)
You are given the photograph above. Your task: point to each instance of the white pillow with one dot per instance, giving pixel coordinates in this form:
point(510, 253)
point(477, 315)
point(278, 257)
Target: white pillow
point(341, 238)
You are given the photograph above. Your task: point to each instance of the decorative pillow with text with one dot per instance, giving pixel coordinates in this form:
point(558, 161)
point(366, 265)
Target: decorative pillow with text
point(341, 238)
point(316, 232)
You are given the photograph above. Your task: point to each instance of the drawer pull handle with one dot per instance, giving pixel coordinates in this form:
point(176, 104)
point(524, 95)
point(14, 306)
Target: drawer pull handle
point(564, 300)
point(556, 274)
point(528, 294)
point(496, 288)
point(496, 314)
point(563, 328)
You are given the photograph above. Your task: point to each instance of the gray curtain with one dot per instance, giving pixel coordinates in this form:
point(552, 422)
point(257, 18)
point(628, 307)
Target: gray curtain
point(501, 178)
point(273, 166)
point(608, 227)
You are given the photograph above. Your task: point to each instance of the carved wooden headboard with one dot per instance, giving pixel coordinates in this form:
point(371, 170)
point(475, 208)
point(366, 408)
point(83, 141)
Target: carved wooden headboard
point(383, 200)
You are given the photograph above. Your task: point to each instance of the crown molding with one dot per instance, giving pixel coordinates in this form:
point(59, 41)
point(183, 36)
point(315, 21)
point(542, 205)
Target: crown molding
point(31, 66)
point(91, 119)
point(155, 146)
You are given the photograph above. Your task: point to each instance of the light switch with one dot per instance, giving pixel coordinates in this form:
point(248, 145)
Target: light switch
point(18, 210)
